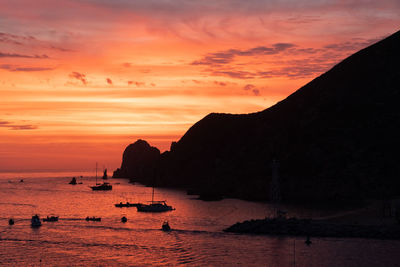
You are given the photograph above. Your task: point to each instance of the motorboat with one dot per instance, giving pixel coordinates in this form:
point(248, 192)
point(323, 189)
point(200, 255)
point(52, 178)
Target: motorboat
point(127, 205)
point(35, 221)
point(95, 219)
point(51, 219)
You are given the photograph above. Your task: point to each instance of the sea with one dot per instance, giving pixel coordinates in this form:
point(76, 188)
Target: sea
point(196, 238)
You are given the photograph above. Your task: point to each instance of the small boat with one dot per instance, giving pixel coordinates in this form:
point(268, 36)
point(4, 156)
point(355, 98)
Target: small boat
point(73, 181)
point(95, 219)
point(124, 219)
point(154, 206)
point(51, 219)
point(127, 205)
point(165, 227)
point(11, 221)
point(35, 221)
point(101, 187)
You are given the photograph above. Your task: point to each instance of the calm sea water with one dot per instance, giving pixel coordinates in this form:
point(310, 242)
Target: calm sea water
point(196, 240)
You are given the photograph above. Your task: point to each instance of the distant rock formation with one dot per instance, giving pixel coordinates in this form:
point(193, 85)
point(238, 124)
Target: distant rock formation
point(336, 139)
point(139, 162)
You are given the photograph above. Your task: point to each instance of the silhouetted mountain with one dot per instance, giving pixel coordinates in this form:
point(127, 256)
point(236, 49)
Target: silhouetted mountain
point(336, 138)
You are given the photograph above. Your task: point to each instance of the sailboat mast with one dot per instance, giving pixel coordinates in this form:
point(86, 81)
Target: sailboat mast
point(96, 173)
point(152, 196)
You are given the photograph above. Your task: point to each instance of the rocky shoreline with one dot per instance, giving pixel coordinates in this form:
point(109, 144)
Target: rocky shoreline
point(315, 228)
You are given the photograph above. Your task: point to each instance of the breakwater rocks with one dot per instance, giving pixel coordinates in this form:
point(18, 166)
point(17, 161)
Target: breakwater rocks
point(304, 227)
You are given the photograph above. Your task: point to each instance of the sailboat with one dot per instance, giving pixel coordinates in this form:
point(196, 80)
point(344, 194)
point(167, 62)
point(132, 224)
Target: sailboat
point(154, 206)
point(103, 186)
point(105, 177)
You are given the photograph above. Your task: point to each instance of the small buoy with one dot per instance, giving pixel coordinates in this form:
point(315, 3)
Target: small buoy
point(308, 241)
point(124, 219)
point(11, 221)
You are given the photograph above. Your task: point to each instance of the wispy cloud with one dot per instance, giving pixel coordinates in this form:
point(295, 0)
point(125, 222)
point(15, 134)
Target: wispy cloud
point(228, 56)
point(14, 39)
point(138, 84)
point(24, 69)
point(79, 76)
point(220, 83)
point(296, 62)
point(252, 88)
point(13, 126)
point(14, 55)
point(351, 45)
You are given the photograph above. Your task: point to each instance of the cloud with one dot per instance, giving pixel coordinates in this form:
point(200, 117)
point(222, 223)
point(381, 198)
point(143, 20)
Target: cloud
point(234, 74)
point(252, 88)
point(15, 39)
point(351, 45)
point(228, 56)
point(109, 81)
point(127, 65)
point(24, 69)
point(12, 126)
point(220, 83)
point(298, 62)
point(249, 87)
point(137, 83)
point(14, 55)
point(79, 76)
point(62, 49)
point(256, 92)
point(9, 38)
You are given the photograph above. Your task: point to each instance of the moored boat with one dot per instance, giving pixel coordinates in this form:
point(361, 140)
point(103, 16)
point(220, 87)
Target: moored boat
point(96, 219)
point(154, 206)
point(51, 219)
point(35, 221)
point(103, 186)
point(73, 181)
point(127, 205)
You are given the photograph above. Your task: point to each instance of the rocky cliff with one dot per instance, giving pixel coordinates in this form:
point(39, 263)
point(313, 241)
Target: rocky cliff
point(336, 138)
point(139, 162)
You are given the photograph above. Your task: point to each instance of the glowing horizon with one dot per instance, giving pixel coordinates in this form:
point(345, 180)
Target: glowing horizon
point(80, 80)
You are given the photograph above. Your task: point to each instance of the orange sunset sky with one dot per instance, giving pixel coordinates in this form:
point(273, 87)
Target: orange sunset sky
point(80, 80)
